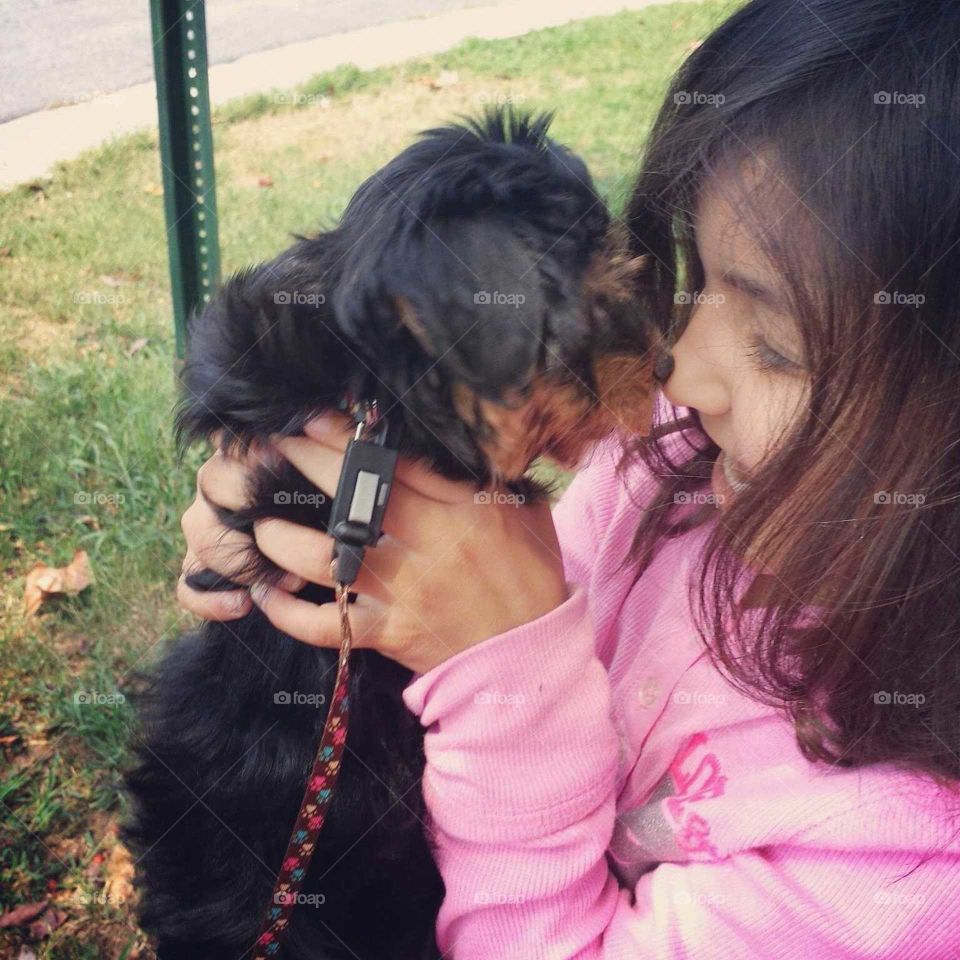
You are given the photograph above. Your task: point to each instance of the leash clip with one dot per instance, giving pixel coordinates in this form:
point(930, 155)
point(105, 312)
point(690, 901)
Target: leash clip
point(363, 489)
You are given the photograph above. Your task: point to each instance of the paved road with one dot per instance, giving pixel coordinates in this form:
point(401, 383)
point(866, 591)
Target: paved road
point(65, 51)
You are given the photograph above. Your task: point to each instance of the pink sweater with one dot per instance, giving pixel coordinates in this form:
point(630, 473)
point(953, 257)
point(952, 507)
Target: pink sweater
point(596, 789)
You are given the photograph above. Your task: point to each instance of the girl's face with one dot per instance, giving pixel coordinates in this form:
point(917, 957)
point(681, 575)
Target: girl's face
point(739, 361)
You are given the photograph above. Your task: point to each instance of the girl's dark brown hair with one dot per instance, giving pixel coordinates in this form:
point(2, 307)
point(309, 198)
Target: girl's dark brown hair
point(850, 108)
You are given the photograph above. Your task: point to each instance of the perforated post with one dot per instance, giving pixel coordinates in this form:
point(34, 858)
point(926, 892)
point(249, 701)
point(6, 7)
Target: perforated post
point(186, 156)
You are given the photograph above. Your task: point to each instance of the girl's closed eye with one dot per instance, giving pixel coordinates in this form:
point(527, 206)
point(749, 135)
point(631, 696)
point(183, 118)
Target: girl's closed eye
point(766, 358)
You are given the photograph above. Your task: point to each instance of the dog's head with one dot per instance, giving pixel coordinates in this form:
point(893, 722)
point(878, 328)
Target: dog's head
point(475, 287)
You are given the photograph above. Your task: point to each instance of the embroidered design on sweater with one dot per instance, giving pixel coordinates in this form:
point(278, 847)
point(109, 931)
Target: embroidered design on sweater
point(697, 776)
point(667, 827)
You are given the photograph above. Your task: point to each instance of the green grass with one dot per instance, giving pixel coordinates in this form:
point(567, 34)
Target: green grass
point(86, 456)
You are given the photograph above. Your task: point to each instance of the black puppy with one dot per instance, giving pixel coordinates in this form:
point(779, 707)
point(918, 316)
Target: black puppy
point(477, 289)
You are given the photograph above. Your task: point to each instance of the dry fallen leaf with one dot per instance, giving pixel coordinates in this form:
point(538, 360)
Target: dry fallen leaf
point(265, 181)
point(42, 581)
point(445, 78)
point(23, 914)
point(111, 280)
point(46, 923)
point(137, 346)
point(66, 848)
point(118, 886)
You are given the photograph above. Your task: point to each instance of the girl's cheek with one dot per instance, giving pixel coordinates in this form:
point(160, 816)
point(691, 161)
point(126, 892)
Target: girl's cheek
point(764, 410)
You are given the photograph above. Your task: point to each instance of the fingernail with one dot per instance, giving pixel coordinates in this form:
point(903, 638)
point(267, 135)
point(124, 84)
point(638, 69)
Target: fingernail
point(326, 425)
point(292, 583)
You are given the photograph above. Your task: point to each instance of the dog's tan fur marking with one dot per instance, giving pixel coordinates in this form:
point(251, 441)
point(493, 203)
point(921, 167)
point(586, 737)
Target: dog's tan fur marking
point(408, 317)
point(552, 416)
point(560, 420)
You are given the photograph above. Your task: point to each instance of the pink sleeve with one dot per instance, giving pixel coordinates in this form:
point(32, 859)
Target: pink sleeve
point(521, 760)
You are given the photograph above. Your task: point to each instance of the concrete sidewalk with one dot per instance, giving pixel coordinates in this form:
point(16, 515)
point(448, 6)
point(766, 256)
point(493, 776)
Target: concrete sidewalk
point(31, 145)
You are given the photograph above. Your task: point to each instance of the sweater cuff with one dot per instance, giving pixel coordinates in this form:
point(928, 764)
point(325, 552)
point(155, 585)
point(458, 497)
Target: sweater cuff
point(518, 728)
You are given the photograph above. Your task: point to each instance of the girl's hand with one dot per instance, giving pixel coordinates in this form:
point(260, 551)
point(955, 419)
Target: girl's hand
point(450, 570)
point(221, 480)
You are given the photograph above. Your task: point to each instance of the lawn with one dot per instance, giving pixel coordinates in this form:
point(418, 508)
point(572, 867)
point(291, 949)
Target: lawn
point(87, 386)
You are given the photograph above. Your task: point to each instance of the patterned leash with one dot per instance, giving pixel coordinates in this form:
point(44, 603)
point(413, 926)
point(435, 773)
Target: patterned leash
point(355, 521)
point(316, 798)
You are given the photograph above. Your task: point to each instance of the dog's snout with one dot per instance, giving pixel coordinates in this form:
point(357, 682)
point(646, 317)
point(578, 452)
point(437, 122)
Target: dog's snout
point(663, 366)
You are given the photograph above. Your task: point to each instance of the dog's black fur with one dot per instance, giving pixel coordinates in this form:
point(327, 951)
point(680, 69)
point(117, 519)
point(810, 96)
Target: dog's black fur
point(491, 205)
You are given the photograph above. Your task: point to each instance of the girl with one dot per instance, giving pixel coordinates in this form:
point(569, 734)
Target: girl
point(708, 707)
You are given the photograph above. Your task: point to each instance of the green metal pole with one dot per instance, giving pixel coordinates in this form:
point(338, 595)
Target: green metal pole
point(186, 155)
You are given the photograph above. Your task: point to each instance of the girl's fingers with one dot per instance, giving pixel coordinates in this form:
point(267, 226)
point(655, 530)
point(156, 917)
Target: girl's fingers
point(336, 430)
point(215, 546)
point(210, 605)
point(307, 553)
point(319, 624)
point(409, 512)
point(223, 480)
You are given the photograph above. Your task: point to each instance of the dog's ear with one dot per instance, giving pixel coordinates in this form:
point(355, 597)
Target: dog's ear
point(617, 284)
point(481, 302)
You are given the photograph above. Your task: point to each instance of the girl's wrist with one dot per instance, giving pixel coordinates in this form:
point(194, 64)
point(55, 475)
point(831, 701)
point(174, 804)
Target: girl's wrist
point(534, 605)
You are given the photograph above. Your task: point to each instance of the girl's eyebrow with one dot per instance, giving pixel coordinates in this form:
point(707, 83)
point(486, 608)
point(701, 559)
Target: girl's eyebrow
point(753, 288)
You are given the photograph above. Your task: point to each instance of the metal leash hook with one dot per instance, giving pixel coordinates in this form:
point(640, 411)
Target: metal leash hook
point(360, 502)
point(356, 518)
